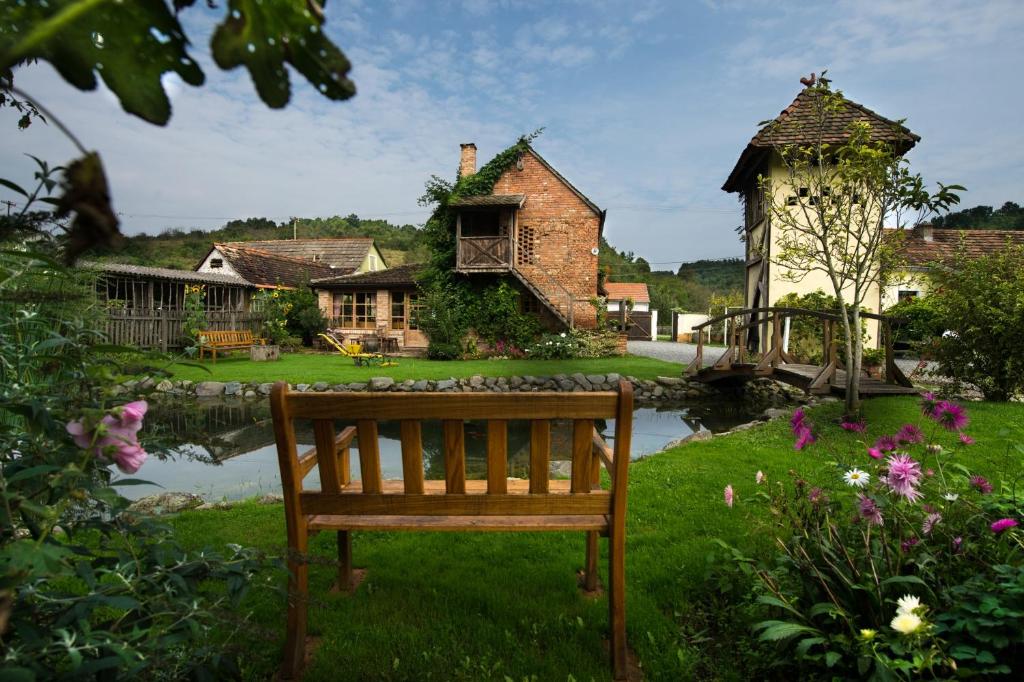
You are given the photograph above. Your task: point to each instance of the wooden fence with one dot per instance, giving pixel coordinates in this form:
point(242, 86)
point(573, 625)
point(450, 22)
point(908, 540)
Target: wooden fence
point(162, 329)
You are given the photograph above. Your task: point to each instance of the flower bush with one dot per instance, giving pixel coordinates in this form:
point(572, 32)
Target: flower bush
point(275, 306)
point(561, 346)
point(195, 314)
point(88, 591)
point(906, 565)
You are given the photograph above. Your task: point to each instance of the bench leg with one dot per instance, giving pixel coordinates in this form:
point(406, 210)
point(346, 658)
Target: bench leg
point(344, 561)
point(590, 570)
point(617, 601)
point(298, 605)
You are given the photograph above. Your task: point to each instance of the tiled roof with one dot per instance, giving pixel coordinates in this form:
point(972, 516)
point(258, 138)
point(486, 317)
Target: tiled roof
point(490, 200)
point(264, 268)
point(166, 273)
point(919, 251)
point(398, 276)
point(346, 254)
point(799, 120)
point(620, 291)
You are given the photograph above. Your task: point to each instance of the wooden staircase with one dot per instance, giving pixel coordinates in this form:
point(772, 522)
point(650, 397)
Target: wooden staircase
point(562, 311)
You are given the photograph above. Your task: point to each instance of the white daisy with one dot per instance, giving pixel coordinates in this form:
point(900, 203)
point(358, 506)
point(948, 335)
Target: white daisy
point(857, 478)
point(951, 497)
point(905, 623)
point(907, 604)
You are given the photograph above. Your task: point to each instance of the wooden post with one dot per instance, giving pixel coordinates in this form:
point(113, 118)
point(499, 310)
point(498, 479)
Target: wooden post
point(776, 348)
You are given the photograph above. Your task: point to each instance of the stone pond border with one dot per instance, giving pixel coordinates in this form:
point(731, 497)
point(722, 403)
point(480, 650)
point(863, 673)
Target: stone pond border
point(660, 389)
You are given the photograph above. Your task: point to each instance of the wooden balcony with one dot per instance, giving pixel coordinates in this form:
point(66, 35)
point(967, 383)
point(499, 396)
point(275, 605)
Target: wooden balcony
point(484, 254)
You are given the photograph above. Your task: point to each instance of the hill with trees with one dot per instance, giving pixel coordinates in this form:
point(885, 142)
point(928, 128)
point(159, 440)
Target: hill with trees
point(1009, 216)
point(721, 275)
point(178, 248)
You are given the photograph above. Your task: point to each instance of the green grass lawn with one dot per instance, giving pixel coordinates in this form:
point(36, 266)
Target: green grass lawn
point(482, 606)
point(330, 367)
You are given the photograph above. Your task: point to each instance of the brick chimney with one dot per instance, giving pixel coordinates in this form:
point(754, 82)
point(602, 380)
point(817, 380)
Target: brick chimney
point(467, 164)
point(924, 230)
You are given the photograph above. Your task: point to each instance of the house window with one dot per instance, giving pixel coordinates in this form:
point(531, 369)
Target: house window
point(907, 295)
point(404, 310)
point(529, 304)
point(480, 223)
point(216, 262)
point(373, 262)
point(356, 310)
point(524, 246)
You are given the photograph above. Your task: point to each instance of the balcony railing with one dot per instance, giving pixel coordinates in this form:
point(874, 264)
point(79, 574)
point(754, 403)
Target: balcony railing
point(484, 253)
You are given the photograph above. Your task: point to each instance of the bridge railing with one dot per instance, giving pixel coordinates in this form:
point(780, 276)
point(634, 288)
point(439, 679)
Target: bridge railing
point(736, 347)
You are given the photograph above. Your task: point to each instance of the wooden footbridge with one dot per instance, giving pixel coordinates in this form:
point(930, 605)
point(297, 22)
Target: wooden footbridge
point(776, 362)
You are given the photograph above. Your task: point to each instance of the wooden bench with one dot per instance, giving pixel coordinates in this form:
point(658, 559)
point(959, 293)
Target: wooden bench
point(221, 340)
point(455, 504)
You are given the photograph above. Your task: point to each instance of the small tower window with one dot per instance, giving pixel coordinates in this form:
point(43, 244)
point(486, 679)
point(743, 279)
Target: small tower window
point(216, 262)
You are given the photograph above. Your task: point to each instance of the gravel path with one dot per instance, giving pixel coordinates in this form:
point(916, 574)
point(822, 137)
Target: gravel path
point(684, 353)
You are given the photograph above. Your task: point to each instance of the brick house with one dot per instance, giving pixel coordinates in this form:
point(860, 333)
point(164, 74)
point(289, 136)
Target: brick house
point(539, 229)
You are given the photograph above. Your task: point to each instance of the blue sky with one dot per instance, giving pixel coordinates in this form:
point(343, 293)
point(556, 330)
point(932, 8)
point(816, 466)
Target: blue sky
point(645, 105)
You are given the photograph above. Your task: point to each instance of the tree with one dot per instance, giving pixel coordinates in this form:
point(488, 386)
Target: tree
point(1009, 216)
point(838, 191)
point(131, 46)
point(980, 304)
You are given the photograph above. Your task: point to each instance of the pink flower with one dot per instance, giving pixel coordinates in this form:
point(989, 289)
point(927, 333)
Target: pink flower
point(909, 433)
point(903, 477)
point(981, 484)
point(929, 472)
point(869, 510)
point(1003, 524)
point(908, 543)
point(957, 541)
point(875, 453)
point(928, 402)
point(804, 437)
point(728, 496)
point(965, 439)
point(950, 415)
point(797, 420)
point(930, 522)
point(817, 496)
point(115, 437)
point(857, 427)
point(886, 443)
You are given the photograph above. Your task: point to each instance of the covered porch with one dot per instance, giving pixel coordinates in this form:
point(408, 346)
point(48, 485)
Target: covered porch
point(485, 230)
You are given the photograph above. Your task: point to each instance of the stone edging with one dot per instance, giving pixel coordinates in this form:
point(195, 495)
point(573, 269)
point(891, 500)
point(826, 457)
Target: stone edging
point(656, 390)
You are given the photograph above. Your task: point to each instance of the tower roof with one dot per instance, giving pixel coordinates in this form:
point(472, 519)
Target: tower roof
point(794, 126)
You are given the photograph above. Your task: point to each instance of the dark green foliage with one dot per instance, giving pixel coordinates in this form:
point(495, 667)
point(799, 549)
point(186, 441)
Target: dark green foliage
point(984, 624)
point(264, 36)
point(304, 319)
point(1009, 216)
point(131, 50)
point(719, 275)
point(805, 333)
point(980, 301)
point(495, 313)
point(562, 346)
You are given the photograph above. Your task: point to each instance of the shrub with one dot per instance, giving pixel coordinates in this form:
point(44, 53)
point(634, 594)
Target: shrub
point(917, 322)
point(871, 578)
point(275, 306)
point(304, 319)
point(596, 344)
point(979, 301)
point(560, 346)
point(440, 350)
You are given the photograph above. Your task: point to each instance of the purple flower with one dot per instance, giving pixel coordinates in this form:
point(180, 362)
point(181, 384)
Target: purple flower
point(965, 439)
point(115, 437)
point(903, 477)
point(804, 437)
point(909, 433)
point(957, 541)
point(856, 427)
point(886, 443)
point(729, 495)
point(875, 453)
point(1003, 524)
point(930, 522)
point(981, 484)
point(869, 511)
point(950, 415)
point(817, 496)
point(908, 543)
point(928, 402)
point(797, 420)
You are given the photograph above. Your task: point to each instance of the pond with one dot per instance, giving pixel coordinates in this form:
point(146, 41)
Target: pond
point(224, 449)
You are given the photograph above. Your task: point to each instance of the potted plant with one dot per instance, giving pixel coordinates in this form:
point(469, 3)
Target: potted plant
point(275, 307)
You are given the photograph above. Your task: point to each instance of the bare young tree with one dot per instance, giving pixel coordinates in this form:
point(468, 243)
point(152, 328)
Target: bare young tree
point(842, 180)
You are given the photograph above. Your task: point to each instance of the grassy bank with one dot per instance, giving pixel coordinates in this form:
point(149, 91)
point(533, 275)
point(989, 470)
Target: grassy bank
point(483, 606)
point(332, 368)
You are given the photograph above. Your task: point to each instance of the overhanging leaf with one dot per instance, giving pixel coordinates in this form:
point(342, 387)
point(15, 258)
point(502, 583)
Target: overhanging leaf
point(263, 36)
point(130, 45)
point(86, 195)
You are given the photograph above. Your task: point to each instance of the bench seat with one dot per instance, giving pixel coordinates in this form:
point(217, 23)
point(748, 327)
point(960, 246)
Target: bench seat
point(513, 524)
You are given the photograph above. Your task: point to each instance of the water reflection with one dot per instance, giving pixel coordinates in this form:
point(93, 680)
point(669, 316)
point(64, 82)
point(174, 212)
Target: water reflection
point(225, 449)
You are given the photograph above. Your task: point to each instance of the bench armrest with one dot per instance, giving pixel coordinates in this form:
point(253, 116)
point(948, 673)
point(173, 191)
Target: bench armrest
point(308, 459)
point(606, 454)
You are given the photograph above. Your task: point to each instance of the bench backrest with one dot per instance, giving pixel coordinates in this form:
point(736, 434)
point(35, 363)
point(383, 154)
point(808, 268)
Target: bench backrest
point(224, 336)
point(582, 496)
